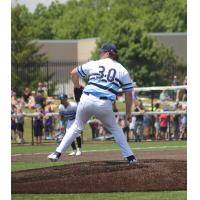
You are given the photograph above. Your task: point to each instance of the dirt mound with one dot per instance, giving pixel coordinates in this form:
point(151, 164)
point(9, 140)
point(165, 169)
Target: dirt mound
point(103, 176)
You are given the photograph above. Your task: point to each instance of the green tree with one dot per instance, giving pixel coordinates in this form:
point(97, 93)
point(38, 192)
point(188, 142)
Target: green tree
point(174, 16)
point(90, 18)
point(41, 23)
point(44, 20)
point(83, 19)
point(24, 51)
point(148, 63)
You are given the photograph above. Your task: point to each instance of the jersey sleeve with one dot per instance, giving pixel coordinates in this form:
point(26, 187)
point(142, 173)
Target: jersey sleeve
point(127, 84)
point(84, 70)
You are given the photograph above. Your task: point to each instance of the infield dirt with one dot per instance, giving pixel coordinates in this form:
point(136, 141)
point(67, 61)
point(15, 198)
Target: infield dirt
point(165, 171)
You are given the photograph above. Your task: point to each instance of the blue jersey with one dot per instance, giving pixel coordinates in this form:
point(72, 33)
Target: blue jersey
point(106, 77)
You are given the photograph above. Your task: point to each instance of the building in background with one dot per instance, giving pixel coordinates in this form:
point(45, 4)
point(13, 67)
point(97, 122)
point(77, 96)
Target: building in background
point(63, 56)
point(69, 53)
point(79, 51)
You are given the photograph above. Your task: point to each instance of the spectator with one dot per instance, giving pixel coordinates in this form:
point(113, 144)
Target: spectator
point(164, 96)
point(156, 121)
point(183, 125)
point(41, 87)
point(134, 93)
point(147, 124)
point(139, 121)
point(102, 130)
point(94, 125)
point(20, 125)
point(38, 124)
point(176, 92)
point(40, 99)
point(14, 99)
point(31, 101)
point(184, 97)
point(125, 128)
point(13, 123)
point(98, 130)
point(176, 121)
point(176, 127)
point(48, 121)
point(20, 102)
point(26, 95)
point(163, 125)
point(171, 127)
point(132, 126)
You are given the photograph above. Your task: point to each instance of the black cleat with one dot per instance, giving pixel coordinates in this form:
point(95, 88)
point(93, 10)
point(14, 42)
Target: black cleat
point(132, 160)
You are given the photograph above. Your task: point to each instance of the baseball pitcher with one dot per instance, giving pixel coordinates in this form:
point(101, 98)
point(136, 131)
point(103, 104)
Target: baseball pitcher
point(106, 76)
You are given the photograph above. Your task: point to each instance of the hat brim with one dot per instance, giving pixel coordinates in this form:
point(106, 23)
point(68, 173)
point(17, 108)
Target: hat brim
point(101, 50)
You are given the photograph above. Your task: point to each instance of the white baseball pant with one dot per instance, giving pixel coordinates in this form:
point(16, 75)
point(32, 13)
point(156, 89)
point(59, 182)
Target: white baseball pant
point(69, 124)
point(88, 106)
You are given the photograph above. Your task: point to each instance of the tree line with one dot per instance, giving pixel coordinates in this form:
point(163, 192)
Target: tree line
point(126, 23)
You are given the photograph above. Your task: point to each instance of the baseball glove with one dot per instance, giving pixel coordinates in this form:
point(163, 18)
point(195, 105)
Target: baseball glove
point(77, 93)
point(58, 137)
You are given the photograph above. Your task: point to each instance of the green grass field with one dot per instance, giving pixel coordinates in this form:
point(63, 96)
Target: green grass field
point(175, 195)
point(93, 146)
point(46, 148)
point(100, 146)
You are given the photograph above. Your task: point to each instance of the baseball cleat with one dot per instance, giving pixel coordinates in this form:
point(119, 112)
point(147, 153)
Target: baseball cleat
point(78, 152)
point(73, 153)
point(54, 156)
point(132, 160)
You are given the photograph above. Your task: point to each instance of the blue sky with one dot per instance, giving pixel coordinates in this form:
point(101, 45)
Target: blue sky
point(31, 4)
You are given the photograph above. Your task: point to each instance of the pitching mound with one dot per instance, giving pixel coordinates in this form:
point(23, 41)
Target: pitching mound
point(103, 176)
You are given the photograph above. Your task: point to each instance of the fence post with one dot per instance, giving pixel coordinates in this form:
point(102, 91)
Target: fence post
point(32, 132)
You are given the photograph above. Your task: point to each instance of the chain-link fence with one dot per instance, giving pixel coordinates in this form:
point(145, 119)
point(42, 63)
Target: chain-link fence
point(55, 75)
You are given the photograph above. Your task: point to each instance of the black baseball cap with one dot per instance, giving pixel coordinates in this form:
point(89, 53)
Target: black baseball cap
point(108, 47)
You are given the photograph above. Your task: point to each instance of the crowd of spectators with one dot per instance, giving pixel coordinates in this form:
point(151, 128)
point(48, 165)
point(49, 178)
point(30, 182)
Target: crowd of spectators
point(142, 127)
point(145, 127)
point(40, 104)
